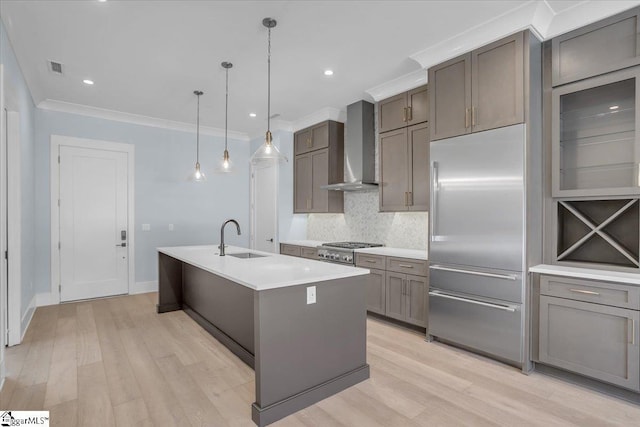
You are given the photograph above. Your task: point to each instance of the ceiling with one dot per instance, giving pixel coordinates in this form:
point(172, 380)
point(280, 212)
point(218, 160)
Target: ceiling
point(147, 57)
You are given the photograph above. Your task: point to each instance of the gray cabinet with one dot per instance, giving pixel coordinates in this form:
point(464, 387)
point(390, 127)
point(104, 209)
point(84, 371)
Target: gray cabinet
point(317, 136)
point(595, 143)
point(590, 327)
point(376, 291)
point(406, 298)
point(291, 250)
point(404, 109)
point(607, 45)
point(478, 91)
point(595, 340)
point(319, 161)
point(404, 169)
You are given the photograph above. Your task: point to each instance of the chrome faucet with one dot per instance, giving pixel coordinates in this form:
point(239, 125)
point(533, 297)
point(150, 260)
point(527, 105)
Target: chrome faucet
point(222, 233)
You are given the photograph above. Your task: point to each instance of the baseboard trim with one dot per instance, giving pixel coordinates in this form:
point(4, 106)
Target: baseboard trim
point(46, 298)
point(27, 317)
point(144, 287)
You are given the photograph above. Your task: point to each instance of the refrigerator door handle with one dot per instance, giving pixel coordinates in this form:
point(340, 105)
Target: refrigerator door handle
point(433, 209)
point(508, 308)
point(475, 273)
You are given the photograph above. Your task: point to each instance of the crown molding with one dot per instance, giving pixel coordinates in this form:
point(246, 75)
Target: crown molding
point(586, 13)
point(327, 113)
point(136, 119)
point(398, 85)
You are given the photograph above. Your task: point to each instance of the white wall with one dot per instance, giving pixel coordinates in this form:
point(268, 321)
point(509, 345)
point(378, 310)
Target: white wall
point(163, 160)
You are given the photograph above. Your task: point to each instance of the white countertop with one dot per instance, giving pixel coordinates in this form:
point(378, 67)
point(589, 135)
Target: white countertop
point(395, 252)
point(587, 273)
point(307, 243)
point(269, 272)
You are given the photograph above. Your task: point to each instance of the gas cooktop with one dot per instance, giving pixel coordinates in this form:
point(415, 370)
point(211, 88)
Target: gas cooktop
point(351, 245)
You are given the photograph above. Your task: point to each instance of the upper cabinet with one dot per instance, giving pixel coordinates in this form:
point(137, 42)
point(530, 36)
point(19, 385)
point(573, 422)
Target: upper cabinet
point(319, 161)
point(404, 169)
point(478, 91)
point(316, 137)
point(403, 110)
point(404, 151)
point(607, 45)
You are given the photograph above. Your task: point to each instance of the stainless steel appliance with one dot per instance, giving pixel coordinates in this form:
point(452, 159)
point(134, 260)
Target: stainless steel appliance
point(342, 252)
point(477, 251)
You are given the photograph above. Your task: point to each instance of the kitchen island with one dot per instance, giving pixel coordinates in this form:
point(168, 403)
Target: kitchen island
point(299, 323)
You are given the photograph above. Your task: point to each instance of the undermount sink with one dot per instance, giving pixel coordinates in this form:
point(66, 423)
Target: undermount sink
point(247, 255)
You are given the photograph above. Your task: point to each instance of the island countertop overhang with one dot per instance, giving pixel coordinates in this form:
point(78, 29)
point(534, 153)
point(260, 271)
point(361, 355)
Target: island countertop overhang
point(271, 271)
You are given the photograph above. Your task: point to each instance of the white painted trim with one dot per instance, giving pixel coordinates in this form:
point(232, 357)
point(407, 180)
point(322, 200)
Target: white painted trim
point(56, 142)
point(3, 231)
point(144, 287)
point(399, 85)
point(27, 317)
point(46, 298)
point(14, 233)
point(137, 119)
point(327, 113)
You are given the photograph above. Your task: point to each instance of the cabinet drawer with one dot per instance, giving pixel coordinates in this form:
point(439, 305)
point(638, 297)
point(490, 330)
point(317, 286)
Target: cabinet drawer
point(370, 261)
point(605, 293)
point(290, 250)
point(311, 253)
point(410, 266)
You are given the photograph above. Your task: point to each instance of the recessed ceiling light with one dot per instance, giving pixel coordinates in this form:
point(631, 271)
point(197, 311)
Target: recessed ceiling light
point(614, 107)
point(87, 82)
point(328, 72)
point(102, 1)
point(252, 114)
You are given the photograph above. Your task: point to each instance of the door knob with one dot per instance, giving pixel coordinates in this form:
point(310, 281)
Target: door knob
point(270, 240)
point(123, 245)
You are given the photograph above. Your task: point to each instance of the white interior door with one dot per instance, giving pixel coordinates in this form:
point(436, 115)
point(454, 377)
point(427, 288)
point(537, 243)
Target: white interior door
point(264, 186)
point(94, 254)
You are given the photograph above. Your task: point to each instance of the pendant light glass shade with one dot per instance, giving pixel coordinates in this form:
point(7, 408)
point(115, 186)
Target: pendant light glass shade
point(225, 165)
point(268, 153)
point(198, 175)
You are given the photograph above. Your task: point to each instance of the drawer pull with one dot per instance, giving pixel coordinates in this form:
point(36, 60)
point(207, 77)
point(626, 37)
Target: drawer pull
point(582, 291)
point(373, 261)
point(475, 273)
point(508, 308)
point(405, 265)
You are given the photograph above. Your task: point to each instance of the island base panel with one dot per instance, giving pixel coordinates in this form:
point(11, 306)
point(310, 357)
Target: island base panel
point(284, 408)
point(169, 284)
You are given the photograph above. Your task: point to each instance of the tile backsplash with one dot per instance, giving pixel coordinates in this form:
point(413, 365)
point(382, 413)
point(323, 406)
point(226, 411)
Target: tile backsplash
point(362, 222)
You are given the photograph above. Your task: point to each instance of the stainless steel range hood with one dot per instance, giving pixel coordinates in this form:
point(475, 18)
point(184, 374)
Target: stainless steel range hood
point(359, 150)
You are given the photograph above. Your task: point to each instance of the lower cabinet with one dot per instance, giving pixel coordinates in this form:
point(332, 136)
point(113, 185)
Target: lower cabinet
point(393, 293)
point(376, 291)
point(596, 340)
point(406, 298)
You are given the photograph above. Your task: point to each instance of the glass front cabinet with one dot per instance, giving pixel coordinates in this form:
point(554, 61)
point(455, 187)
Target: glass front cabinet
point(596, 151)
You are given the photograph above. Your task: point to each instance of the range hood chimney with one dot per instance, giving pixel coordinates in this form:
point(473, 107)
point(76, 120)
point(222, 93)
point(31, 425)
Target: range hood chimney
point(359, 150)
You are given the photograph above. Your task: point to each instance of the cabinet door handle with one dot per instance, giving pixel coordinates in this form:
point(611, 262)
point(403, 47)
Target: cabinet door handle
point(308, 203)
point(410, 198)
point(309, 143)
point(404, 286)
point(406, 198)
point(466, 118)
point(581, 291)
point(409, 114)
point(633, 331)
point(404, 114)
point(474, 113)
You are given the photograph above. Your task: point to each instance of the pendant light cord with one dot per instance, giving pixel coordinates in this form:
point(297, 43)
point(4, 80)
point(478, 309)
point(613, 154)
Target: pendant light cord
point(269, 83)
point(226, 111)
point(198, 132)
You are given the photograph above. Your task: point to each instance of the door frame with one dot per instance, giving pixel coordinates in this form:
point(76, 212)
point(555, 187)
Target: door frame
point(252, 201)
point(12, 194)
point(58, 141)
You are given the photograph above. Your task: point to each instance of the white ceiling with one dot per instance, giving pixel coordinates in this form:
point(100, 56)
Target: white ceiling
point(147, 57)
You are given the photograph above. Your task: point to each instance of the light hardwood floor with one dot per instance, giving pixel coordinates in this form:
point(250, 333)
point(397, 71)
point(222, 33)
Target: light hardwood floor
point(116, 362)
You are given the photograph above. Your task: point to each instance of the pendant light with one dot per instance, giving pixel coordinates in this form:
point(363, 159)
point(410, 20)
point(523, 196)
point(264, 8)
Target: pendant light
point(226, 165)
point(198, 175)
point(268, 153)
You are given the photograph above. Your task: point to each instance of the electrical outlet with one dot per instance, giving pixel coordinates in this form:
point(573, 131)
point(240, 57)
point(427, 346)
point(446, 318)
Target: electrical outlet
point(146, 227)
point(311, 295)
point(170, 227)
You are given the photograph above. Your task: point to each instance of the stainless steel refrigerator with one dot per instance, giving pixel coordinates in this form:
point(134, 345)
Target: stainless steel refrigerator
point(477, 242)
